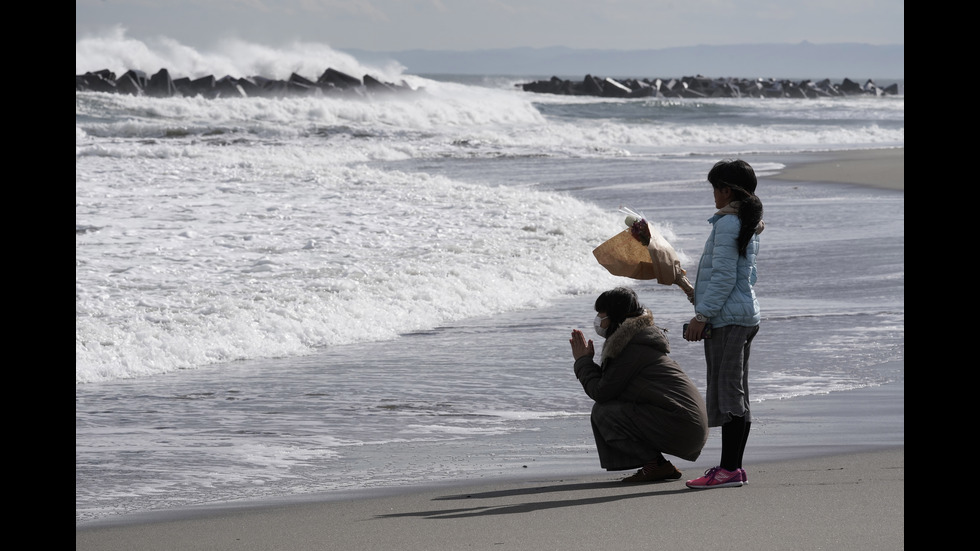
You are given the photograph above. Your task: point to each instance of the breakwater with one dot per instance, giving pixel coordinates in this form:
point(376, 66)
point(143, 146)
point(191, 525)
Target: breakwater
point(704, 87)
point(333, 82)
point(161, 84)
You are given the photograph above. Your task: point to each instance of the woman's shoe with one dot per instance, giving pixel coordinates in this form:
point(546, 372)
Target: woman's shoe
point(664, 471)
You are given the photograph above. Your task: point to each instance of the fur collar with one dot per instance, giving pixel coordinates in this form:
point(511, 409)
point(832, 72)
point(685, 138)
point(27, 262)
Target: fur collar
point(630, 328)
point(732, 208)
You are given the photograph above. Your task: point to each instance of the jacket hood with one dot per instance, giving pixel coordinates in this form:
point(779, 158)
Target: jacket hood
point(640, 329)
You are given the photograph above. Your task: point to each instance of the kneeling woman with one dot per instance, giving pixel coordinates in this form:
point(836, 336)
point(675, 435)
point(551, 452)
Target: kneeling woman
point(645, 405)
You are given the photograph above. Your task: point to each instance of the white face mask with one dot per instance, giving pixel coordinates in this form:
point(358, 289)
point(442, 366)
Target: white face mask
point(597, 325)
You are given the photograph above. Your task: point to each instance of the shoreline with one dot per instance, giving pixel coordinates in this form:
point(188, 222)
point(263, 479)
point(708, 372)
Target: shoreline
point(840, 501)
point(789, 430)
point(825, 471)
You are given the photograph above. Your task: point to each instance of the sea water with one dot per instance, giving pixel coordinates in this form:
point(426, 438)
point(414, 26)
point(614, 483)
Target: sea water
point(291, 296)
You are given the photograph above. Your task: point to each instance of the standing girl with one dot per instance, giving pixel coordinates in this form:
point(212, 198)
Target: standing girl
point(727, 314)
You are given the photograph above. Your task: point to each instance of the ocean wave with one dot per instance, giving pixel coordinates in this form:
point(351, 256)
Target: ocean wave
point(366, 263)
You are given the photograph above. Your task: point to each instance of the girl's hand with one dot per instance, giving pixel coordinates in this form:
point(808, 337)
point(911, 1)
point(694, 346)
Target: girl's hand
point(579, 345)
point(695, 330)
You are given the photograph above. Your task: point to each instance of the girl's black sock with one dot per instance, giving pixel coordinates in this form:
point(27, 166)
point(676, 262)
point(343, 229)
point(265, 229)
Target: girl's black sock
point(733, 435)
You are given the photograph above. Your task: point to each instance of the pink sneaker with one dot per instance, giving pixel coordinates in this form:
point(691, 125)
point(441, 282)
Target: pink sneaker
point(717, 477)
point(742, 476)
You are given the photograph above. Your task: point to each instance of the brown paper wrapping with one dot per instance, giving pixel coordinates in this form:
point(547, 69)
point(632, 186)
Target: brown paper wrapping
point(625, 256)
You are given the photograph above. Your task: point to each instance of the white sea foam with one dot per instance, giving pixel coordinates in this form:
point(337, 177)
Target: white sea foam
point(179, 277)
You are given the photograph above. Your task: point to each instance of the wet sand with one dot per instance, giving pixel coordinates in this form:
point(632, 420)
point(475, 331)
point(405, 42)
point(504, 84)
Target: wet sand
point(882, 168)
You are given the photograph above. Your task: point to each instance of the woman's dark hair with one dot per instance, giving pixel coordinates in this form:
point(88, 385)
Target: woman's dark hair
point(739, 176)
point(619, 303)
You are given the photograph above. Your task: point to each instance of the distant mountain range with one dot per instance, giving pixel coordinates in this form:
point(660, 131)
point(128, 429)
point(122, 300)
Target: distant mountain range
point(857, 62)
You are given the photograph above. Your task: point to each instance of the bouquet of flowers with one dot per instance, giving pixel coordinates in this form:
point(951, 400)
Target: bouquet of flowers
point(640, 252)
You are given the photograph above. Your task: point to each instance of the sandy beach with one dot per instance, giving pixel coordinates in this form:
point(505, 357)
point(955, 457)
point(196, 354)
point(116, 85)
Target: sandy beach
point(883, 168)
point(850, 501)
point(824, 472)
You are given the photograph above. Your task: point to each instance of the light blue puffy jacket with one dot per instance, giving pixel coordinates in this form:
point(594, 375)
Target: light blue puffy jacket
point(723, 289)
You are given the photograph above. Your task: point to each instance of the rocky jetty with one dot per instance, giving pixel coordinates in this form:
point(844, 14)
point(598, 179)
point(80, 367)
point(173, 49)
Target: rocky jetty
point(704, 87)
point(160, 84)
point(332, 81)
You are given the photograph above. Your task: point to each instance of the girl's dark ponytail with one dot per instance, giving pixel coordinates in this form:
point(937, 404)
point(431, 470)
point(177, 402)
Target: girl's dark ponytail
point(750, 214)
point(739, 176)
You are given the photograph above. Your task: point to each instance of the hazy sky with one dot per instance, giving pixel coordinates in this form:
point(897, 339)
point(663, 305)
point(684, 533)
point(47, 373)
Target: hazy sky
point(392, 25)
